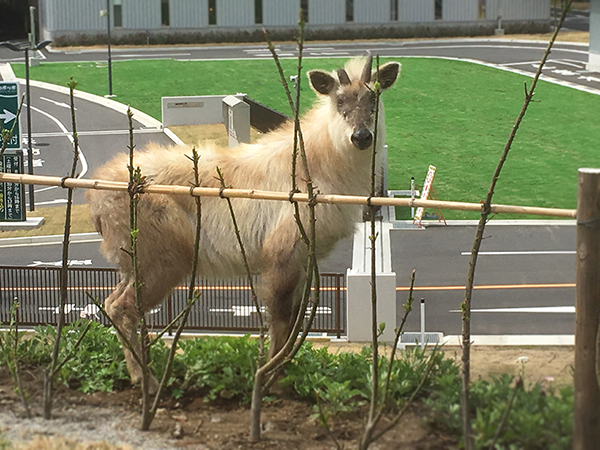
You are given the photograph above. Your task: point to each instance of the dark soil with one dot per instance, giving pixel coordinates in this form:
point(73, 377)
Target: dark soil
point(190, 423)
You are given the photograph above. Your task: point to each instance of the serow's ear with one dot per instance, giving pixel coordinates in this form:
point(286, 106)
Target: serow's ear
point(322, 82)
point(388, 73)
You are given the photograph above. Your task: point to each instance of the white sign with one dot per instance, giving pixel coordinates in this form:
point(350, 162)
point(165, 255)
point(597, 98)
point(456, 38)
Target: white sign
point(425, 192)
point(231, 128)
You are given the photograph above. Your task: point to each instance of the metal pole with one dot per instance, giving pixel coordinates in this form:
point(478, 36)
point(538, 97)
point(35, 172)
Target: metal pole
point(412, 196)
point(586, 414)
point(32, 22)
point(29, 149)
point(294, 78)
point(110, 91)
point(422, 323)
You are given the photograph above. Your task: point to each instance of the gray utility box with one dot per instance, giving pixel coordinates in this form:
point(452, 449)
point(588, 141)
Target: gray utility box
point(236, 117)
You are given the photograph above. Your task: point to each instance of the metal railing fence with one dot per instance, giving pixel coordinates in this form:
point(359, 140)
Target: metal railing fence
point(224, 305)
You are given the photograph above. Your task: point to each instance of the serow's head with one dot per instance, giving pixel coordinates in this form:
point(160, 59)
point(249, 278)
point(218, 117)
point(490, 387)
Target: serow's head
point(350, 91)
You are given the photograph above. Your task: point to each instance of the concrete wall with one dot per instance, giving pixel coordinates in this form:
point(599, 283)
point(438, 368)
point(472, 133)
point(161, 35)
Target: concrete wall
point(192, 110)
point(238, 13)
point(281, 12)
point(72, 18)
point(518, 9)
point(371, 11)
point(460, 10)
point(146, 14)
point(416, 11)
point(189, 13)
point(141, 14)
point(323, 12)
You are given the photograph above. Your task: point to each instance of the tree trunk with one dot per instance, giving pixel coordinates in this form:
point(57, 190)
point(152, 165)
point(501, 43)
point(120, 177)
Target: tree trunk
point(586, 414)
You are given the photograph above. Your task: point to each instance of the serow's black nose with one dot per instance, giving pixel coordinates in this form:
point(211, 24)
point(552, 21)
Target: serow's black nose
point(362, 139)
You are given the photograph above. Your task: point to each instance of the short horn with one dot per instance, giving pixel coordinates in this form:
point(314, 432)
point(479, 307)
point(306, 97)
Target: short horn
point(366, 74)
point(343, 76)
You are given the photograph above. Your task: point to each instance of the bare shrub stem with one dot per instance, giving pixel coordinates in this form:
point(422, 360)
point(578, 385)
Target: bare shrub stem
point(54, 366)
point(286, 354)
point(12, 343)
point(485, 212)
point(257, 389)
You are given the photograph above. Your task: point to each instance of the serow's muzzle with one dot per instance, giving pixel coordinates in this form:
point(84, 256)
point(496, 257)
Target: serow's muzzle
point(362, 138)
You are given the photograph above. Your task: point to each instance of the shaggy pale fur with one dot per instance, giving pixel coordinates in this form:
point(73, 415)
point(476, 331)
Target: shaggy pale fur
point(268, 229)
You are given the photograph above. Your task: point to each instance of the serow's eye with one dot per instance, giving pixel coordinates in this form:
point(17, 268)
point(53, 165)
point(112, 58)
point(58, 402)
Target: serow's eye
point(340, 103)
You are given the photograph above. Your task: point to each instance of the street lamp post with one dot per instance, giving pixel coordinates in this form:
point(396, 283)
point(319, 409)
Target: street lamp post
point(26, 47)
point(110, 91)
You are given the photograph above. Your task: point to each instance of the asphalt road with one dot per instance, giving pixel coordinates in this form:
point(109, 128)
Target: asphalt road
point(519, 267)
point(567, 61)
point(103, 132)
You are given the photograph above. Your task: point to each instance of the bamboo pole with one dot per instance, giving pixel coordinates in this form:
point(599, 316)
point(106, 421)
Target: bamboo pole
point(586, 413)
point(280, 196)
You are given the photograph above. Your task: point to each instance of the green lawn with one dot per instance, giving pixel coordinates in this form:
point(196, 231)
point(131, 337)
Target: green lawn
point(454, 115)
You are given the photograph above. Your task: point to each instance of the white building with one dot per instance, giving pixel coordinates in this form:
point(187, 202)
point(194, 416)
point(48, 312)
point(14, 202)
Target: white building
point(147, 21)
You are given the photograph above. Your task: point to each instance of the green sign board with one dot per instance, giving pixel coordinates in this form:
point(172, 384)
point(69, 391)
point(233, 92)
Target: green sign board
point(12, 195)
point(9, 106)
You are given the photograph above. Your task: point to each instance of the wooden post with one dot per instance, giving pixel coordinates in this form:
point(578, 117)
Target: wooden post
point(586, 415)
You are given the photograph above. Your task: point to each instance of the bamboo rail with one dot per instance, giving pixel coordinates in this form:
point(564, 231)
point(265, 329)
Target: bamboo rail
point(279, 196)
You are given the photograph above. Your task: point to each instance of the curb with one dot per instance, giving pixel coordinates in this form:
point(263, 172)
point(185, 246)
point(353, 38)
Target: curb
point(48, 240)
point(538, 340)
point(408, 224)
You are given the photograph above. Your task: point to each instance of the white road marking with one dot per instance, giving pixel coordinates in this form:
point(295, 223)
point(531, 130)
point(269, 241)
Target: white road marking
point(56, 201)
point(527, 63)
point(35, 244)
point(61, 104)
point(329, 53)
point(98, 132)
point(568, 73)
point(157, 55)
point(589, 79)
point(569, 62)
point(248, 310)
point(525, 252)
point(70, 262)
point(82, 159)
point(238, 310)
point(531, 309)
point(87, 311)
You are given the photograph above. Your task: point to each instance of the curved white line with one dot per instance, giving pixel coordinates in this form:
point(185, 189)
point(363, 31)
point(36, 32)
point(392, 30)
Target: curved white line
point(84, 164)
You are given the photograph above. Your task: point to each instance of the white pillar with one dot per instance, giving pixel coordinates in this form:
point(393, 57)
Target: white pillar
point(359, 285)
